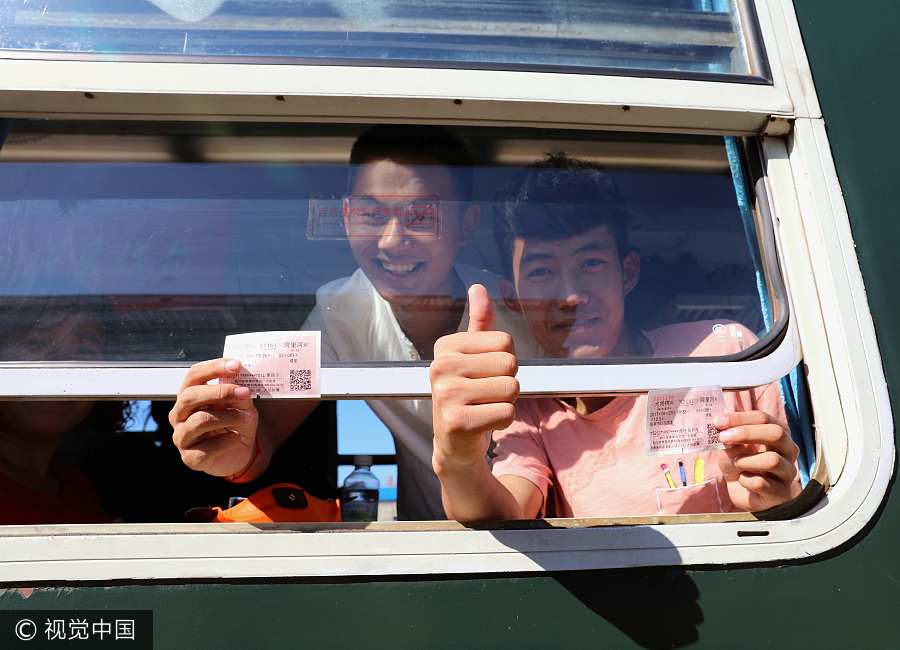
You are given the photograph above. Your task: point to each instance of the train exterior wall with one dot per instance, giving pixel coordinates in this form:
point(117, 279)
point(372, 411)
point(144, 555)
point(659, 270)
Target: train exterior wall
point(846, 600)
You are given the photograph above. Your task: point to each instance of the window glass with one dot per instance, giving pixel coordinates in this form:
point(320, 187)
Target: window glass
point(679, 37)
point(139, 244)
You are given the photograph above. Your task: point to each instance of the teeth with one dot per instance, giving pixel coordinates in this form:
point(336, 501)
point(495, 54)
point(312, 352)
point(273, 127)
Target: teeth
point(398, 268)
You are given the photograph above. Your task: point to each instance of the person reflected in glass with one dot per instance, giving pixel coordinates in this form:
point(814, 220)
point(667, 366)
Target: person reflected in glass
point(570, 270)
point(408, 214)
point(37, 484)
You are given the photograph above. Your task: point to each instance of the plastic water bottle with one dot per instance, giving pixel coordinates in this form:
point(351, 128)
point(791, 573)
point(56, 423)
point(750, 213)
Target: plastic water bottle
point(359, 496)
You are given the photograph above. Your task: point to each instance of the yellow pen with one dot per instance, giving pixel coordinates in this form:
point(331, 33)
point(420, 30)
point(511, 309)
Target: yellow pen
point(698, 470)
point(668, 475)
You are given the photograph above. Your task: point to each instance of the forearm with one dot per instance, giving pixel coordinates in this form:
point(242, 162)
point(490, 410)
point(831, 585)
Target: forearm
point(470, 493)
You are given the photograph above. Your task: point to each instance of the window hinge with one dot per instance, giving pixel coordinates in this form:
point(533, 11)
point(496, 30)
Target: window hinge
point(777, 126)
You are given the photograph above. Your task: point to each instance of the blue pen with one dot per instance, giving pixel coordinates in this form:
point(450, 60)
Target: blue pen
point(681, 471)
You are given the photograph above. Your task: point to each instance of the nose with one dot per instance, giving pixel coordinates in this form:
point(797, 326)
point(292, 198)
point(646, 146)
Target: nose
point(393, 237)
point(572, 294)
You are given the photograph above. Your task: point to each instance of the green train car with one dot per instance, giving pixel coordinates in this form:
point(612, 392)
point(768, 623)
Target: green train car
point(175, 172)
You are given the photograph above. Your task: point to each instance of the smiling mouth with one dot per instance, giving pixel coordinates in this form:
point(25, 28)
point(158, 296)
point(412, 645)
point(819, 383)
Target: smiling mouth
point(398, 269)
point(581, 324)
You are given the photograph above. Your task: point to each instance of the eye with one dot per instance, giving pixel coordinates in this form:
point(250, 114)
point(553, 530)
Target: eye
point(539, 273)
point(375, 215)
point(593, 263)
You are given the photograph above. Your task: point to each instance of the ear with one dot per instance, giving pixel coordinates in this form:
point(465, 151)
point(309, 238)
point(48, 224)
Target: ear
point(631, 272)
point(345, 210)
point(471, 217)
point(510, 297)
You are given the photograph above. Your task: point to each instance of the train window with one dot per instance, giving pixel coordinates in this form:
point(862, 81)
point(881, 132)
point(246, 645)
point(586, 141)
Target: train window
point(167, 179)
point(167, 239)
point(675, 37)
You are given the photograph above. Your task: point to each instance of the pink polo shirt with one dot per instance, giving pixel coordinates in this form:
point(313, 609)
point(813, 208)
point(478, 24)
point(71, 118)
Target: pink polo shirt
point(597, 464)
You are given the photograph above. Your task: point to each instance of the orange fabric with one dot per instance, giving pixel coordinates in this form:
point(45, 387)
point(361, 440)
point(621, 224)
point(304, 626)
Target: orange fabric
point(76, 502)
point(282, 502)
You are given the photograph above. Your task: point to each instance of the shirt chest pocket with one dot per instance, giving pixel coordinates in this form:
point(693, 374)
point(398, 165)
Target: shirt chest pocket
point(700, 498)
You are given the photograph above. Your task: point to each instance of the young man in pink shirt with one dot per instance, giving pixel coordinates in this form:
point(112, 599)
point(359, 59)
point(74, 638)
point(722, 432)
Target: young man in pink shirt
point(571, 268)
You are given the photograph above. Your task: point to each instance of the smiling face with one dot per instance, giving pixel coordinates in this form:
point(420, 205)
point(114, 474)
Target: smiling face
point(572, 292)
point(407, 260)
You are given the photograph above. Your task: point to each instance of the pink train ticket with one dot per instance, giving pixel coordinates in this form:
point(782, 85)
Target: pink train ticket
point(277, 364)
point(680, 420)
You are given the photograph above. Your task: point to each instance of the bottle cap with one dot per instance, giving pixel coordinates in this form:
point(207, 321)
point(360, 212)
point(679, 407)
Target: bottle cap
point(362, 460)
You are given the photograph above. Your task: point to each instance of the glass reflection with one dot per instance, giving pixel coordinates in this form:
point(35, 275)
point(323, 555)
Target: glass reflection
point(672, 36)
point(378, 242)
point(43, 444)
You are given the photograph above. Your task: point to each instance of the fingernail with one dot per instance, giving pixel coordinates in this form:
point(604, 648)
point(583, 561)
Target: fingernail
point(721, 421)
point(725, 436)
point(232, 365)
point(242, 392)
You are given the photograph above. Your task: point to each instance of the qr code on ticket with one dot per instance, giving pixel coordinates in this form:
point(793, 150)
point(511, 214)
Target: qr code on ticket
point(301, 380)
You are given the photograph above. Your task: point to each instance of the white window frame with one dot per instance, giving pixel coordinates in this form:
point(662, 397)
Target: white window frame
point(832, 323)
point(77, 88)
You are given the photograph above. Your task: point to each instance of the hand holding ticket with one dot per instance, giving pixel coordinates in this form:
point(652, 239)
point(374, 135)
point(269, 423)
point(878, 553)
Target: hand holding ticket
point(215, 424)
point(682, 420)
point(277, 364)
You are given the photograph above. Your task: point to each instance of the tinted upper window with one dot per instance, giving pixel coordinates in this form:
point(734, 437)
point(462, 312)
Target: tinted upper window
point(171, 236)
point(675, 37)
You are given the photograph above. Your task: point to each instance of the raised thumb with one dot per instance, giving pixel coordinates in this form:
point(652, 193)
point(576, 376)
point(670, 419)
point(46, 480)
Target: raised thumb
point(481, 312)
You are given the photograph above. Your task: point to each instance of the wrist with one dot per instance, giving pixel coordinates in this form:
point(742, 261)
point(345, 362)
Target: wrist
point(251, 470)
point(450, 463)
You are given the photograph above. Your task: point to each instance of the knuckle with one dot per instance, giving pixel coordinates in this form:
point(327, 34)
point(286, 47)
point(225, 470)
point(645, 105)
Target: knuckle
point(775, 432)
point(440, 347)
point(509, 365)
point(506, 415)
point(446, 364)
point(455, 419)
point(178, 435)
point(505, 341)
point(444, 390)
point(510, 388)
point(203, 419)
point(193, 458)
point(755, 483)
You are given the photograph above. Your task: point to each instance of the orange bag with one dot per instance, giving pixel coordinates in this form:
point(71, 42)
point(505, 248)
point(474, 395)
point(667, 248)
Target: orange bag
point(282, 502)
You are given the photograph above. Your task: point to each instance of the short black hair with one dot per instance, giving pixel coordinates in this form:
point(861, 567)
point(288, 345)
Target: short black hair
point(558, 197)
point(426, 144)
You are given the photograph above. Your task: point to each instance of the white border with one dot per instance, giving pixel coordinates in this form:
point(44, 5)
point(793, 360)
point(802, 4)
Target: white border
point(223, 91)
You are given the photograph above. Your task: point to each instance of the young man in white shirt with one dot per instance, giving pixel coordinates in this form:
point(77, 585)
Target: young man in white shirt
point(409, 291)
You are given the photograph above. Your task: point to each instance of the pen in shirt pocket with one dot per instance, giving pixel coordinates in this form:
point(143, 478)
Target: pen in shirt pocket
point(669, 481)
point(698, 470)
point(682, 473)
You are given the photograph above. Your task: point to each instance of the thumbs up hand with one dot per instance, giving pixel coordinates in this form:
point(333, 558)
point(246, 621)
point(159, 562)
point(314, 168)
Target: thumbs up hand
point(473, 387)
